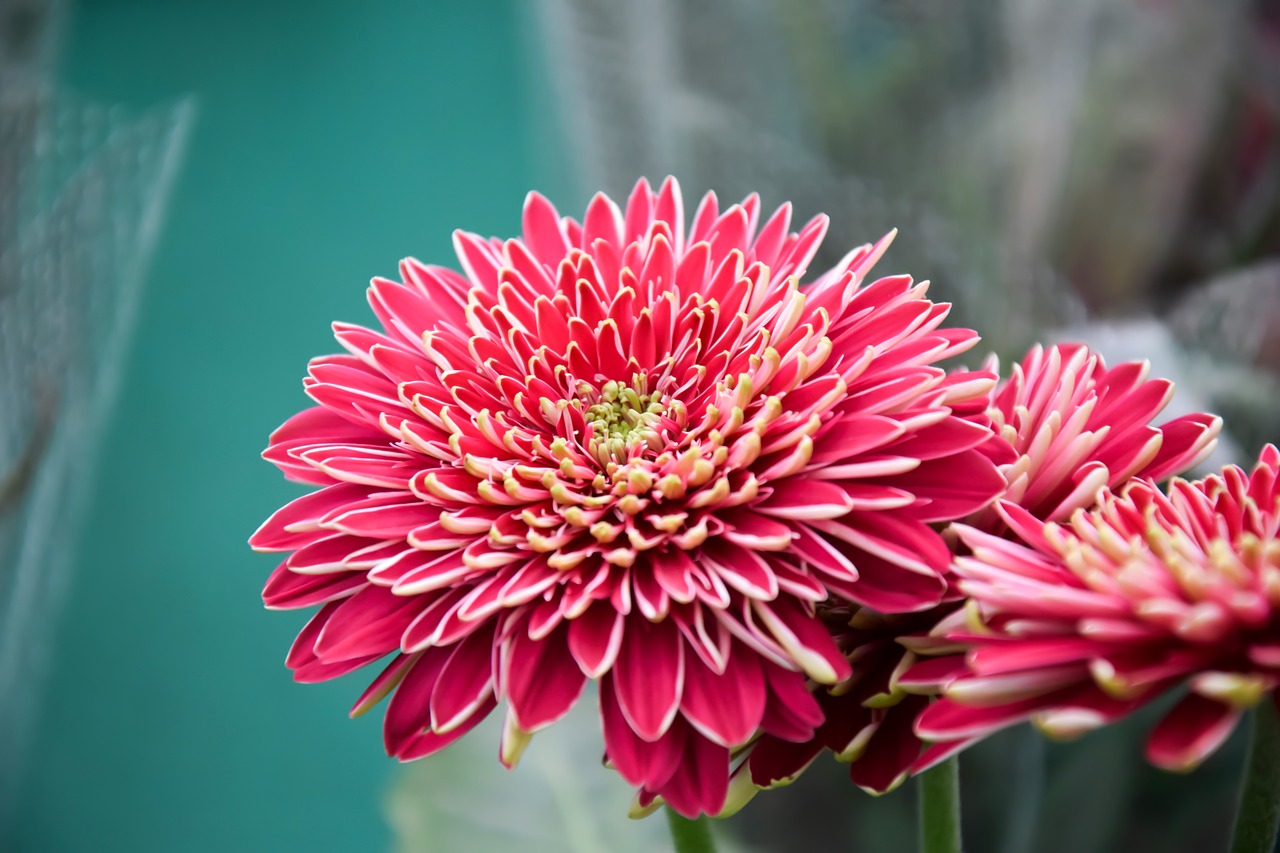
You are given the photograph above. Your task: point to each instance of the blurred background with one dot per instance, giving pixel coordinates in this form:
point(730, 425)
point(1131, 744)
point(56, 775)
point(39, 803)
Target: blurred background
point(190, 193)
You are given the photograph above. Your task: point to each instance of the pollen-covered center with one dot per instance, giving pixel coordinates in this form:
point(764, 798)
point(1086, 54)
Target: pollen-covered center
point(624, 418)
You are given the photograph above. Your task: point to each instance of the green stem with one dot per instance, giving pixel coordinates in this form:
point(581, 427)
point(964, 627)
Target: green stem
point(1022, 810)
point(939, 790)
point(690, 836)
point(1259, 814)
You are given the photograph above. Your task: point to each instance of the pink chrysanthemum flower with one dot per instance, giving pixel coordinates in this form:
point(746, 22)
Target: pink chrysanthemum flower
point(1065, 426)
point(623, 451)
point(1087, 621)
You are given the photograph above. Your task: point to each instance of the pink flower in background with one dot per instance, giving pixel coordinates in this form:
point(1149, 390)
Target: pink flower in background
point(1069, 425)
point(1065, 426)
point(1090, 620)
point(627, 451)
point(869, 719)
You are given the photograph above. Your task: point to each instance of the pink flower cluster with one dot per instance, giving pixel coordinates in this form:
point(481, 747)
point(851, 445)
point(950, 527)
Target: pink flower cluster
point(751, 507)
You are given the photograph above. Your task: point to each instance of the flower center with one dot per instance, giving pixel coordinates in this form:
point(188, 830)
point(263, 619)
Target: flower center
point(622, 418)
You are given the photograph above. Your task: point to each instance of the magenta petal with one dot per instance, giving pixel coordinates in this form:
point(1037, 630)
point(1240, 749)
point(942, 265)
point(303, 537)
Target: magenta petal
point(796, 499)
point(996, 658)
point(329, 554)
point(1191, 732)
point(650, 597)
point(595, 638)
point(947, 719)
point(386, 520)
point(409, 711)
point(428, 742)
point(431, 626)
point(933, 673)
point(701, 781)
point(297, 522)
point(465, 682)
point(936, 753)
point(310, 427)
point(706, 636)
point(543, 233)
point(371, 622)
point(953, 486)
point(638, 761)
point(303, 649)
point(649, 676)
point(774, 760)
point(1187, 440)
point(542, 680)
point(741, 569)
point(672, 570)
point(805, 638)
point(317, 670)
point(889, 588)
point(792, 713)
point(947, 438)
point(725, 708)
point(288, 590)
point(892, 750)
point(386, 681)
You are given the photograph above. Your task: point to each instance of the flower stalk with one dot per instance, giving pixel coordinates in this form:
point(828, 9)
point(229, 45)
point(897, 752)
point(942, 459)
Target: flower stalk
point(690, 836)
point(939, 792)
point(1259, 814)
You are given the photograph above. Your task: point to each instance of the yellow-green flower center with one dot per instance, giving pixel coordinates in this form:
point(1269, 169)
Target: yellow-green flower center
point(623, 416)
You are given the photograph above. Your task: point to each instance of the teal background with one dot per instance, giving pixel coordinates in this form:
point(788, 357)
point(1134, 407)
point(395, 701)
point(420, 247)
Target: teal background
point(331, 140)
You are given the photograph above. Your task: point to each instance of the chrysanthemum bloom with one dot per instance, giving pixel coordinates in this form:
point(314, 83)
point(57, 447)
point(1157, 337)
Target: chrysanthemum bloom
point(1067, 425)
point(621, 451)
point(1064, 427)
point(1087, 621)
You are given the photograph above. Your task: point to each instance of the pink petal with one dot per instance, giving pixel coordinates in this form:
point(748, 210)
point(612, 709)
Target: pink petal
point(465, 682)
point(805, 638)
point(953, 486)
point(429, 742)
point(775, 761)
point(316, 425)
point(594, 639)
point(1192, 731)
point(894, 747)
point(638, 761)
point(371, 622)
point(288, 590)
point(542, 680)
point(889, 588)
point(543, 233)
point(947, 719)
point(725, 708)
point(792, 712)
point(741, 569)
point(932, 673)
point(386, 681)
point(701, 781)
point(995, 658)
point(386, 520)
point(327, 555)
point(409, 711)
point(672, 568)
point(797, 499)
point(297, 522)
point(649, 676)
